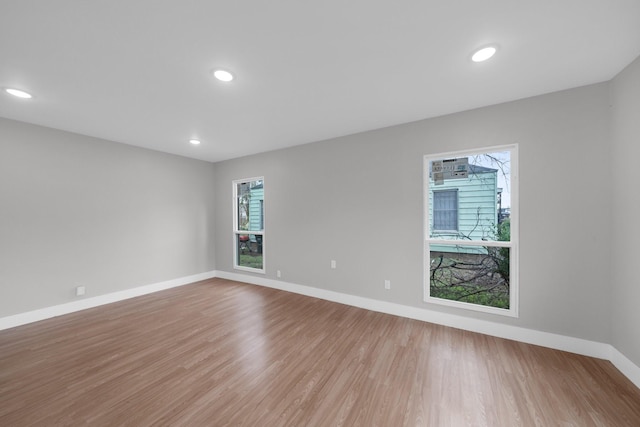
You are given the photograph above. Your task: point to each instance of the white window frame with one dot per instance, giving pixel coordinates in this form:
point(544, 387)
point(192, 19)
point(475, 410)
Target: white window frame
point(512, 311)
point(237, 232)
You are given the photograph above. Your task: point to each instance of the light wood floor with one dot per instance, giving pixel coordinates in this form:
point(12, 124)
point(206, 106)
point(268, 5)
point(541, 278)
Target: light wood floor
point(221, 353)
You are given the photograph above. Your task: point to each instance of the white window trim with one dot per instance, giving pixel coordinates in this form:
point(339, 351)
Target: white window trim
point(237, 232)
point(512, 311)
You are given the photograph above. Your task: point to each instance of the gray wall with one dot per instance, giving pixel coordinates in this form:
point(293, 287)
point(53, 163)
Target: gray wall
point(76, 210)
point(626, 207)
point(358, 200)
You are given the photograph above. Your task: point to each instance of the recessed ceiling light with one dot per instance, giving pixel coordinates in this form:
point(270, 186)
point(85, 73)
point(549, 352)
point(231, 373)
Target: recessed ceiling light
point(483, 54)
point(223, 75)
point(19, 93)
point(194, 141)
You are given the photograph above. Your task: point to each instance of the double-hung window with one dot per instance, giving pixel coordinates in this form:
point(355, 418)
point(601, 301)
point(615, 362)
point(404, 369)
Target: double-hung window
point(248, 224)
point(471, 229)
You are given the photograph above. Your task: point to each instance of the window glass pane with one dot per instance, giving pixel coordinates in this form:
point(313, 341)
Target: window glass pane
point(243, 205)
point(472, 274)
point(469, 197)
point(249, 250)
point(250, 205)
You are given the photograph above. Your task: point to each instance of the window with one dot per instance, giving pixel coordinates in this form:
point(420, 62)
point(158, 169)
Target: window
point(470, 229)
point(445, 210)
point(248, 224)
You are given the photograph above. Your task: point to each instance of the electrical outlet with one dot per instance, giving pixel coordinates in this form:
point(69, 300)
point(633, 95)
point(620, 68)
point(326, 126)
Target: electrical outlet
point(278, 274)
point(334, 264)
point(387, 284)
point(80, 290)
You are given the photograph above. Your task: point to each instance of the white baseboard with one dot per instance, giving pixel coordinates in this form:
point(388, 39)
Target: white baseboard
point(626, 366)
point(82, 304)
point(529, 336)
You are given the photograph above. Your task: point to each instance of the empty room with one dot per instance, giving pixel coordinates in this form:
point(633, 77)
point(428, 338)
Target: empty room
point(356, 213)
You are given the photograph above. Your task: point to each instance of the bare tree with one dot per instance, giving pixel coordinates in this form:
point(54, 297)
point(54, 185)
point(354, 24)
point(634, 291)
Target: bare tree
point(480, 277)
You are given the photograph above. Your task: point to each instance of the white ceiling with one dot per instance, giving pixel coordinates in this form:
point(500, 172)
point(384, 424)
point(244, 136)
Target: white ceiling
point(138, 71)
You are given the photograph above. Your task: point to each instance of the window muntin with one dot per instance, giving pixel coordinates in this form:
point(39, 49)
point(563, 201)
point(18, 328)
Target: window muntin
point(248, 224)
point(473, 265)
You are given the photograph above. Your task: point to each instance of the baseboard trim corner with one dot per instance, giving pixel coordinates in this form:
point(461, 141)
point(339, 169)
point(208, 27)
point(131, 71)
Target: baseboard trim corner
point(626, 366)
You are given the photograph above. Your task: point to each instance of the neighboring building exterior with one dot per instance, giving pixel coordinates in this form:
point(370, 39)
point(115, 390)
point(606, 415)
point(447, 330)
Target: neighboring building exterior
point(256, 215)
point(256, 208)
point(465, 208)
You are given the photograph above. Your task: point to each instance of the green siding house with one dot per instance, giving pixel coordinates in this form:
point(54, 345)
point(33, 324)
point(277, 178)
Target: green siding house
point(256, 215)
point(256, 208)
point(464, 208)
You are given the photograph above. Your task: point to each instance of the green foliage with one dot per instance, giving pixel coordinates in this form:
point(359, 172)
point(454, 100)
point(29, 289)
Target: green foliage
point(501, 256)
point(503, 231)
point(251, 260)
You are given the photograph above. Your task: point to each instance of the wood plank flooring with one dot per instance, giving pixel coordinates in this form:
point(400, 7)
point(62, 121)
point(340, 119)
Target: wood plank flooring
point(219, 353)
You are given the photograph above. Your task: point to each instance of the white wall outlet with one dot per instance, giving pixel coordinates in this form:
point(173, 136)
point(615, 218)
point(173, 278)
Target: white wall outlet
point(387, 284)
point(334, 264)
point(278, 274)
point(80, 290)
